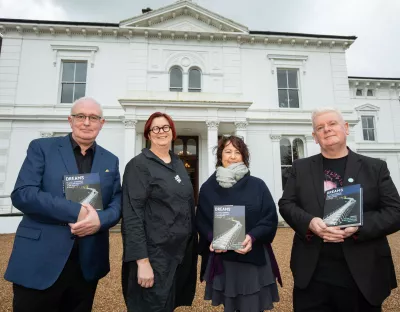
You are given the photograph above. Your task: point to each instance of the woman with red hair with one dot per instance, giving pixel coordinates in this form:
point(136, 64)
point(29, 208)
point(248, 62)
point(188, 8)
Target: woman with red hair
point(158, 225)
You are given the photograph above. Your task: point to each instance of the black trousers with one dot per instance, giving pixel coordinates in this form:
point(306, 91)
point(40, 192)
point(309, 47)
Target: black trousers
point(70, 293)
point(321, 297)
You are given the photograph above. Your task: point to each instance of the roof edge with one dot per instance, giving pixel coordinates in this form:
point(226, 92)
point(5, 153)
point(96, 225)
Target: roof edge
point(292, 34)
point(373, 78)
point(47, 22)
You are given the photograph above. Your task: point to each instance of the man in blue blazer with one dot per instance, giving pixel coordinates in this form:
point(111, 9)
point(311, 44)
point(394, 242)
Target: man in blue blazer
point(61, 248)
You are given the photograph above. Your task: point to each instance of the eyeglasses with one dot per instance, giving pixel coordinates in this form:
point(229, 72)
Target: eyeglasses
point(156, 129)
point(82, 118)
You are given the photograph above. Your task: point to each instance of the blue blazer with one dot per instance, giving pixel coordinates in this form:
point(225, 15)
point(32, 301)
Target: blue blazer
point(43, 240)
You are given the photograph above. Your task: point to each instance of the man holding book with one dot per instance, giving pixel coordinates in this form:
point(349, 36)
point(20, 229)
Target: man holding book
point(61, 247)
point(340, 268)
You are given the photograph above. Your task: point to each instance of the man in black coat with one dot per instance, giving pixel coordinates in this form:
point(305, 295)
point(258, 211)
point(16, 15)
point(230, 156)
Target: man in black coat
point(338, 269)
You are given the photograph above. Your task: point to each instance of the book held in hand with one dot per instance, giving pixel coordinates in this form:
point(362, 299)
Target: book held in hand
point(84, 189)
point(344, 206)
point(229, 227)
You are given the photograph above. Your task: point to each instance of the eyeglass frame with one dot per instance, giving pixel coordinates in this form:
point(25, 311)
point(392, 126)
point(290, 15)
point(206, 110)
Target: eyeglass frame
point(97, 118)
point(159, 129)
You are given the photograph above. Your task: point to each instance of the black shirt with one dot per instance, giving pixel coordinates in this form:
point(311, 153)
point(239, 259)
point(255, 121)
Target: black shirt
point(332, 266)
point(84, 162)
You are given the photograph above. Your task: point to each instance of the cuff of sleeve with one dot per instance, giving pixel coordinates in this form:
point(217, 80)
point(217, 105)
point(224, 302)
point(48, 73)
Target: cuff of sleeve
point(253, 239)
point(309, 235)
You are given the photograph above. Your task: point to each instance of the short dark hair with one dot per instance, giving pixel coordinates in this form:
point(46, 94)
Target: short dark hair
point(238, 143)
point(157, 115)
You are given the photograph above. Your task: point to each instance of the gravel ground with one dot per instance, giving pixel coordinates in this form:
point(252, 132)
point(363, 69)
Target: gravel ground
point(109, 296)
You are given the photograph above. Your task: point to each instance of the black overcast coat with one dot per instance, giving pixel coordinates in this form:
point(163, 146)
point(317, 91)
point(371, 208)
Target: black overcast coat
point(158, 223)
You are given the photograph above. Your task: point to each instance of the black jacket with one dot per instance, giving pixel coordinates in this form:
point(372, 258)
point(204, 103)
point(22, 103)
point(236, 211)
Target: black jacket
point(261, 216)
point(158, 223)
point(368, 254)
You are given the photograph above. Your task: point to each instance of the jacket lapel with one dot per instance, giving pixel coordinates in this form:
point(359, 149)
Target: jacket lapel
point(67, 155)
point(353, 167)
point(98, 159)
point(317, 171)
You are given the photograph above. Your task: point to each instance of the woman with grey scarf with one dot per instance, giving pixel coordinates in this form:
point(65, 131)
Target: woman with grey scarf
point(243, 279)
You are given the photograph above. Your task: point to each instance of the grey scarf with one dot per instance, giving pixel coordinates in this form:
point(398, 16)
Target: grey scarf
point(227, 177)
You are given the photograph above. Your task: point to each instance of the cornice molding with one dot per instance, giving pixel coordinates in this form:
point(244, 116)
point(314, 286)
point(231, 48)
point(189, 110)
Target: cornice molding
point(15, 30)
point(74, 48)
point(367, 108)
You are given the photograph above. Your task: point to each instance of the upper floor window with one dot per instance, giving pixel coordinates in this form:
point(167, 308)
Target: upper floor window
point(359, 92)
point(368, 128)
point(194, 80)
point(288, 88)
point(176, 80)
point(291, 149)
point(73, 80)
point(370, 92)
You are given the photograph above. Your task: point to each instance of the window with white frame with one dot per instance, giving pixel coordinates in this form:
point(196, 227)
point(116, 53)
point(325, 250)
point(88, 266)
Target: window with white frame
point(368, 128)
point(194, 80)
point(176, 79)
point(359, 92)
point(288, 88)
point(73, 80)
point(291, 149)
point(370, 92)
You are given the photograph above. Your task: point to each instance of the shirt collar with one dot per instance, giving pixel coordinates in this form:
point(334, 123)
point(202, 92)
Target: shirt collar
point(76, 145)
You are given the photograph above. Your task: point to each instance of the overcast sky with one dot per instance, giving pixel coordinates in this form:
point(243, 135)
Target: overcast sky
point(376, 23)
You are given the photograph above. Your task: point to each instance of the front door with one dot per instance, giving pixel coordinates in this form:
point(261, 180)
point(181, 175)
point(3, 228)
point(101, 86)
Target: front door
point(187, 148)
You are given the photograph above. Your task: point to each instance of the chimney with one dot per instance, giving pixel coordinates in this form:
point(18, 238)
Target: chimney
point(147, 10)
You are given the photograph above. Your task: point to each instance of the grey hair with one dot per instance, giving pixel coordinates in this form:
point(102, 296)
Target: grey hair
point(86, 99)
point(323, 110)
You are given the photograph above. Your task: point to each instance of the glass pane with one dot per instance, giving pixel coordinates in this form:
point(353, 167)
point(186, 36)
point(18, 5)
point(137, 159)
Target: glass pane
point(370, 122)
point(370, 92)
point(365, 134)
point(81, 70)
point(176, 78)
point(68, 71)
point(371, 134)
point(283, 99)
point(359, 92)
point(298, 149)
point(178, 147)
point(282, 80)
point(67, 92)
point(364, 122)
point(285, 175)
point(191, 147)
point(286, 152)
point(293, 98)
point(292, 77)
point(80, 89)
point(195, 79)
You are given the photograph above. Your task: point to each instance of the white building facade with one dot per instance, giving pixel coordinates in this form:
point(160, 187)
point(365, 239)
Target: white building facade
point(213, 76)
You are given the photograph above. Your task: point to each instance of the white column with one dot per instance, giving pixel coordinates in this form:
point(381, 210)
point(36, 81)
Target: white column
point(276, 162)
point(212, 142)
point(139, 143)
point(241, 129)
point(130, 139)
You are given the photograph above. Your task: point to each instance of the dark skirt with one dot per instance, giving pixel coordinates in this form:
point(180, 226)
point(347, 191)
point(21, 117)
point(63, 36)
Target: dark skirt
point(242, 286)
